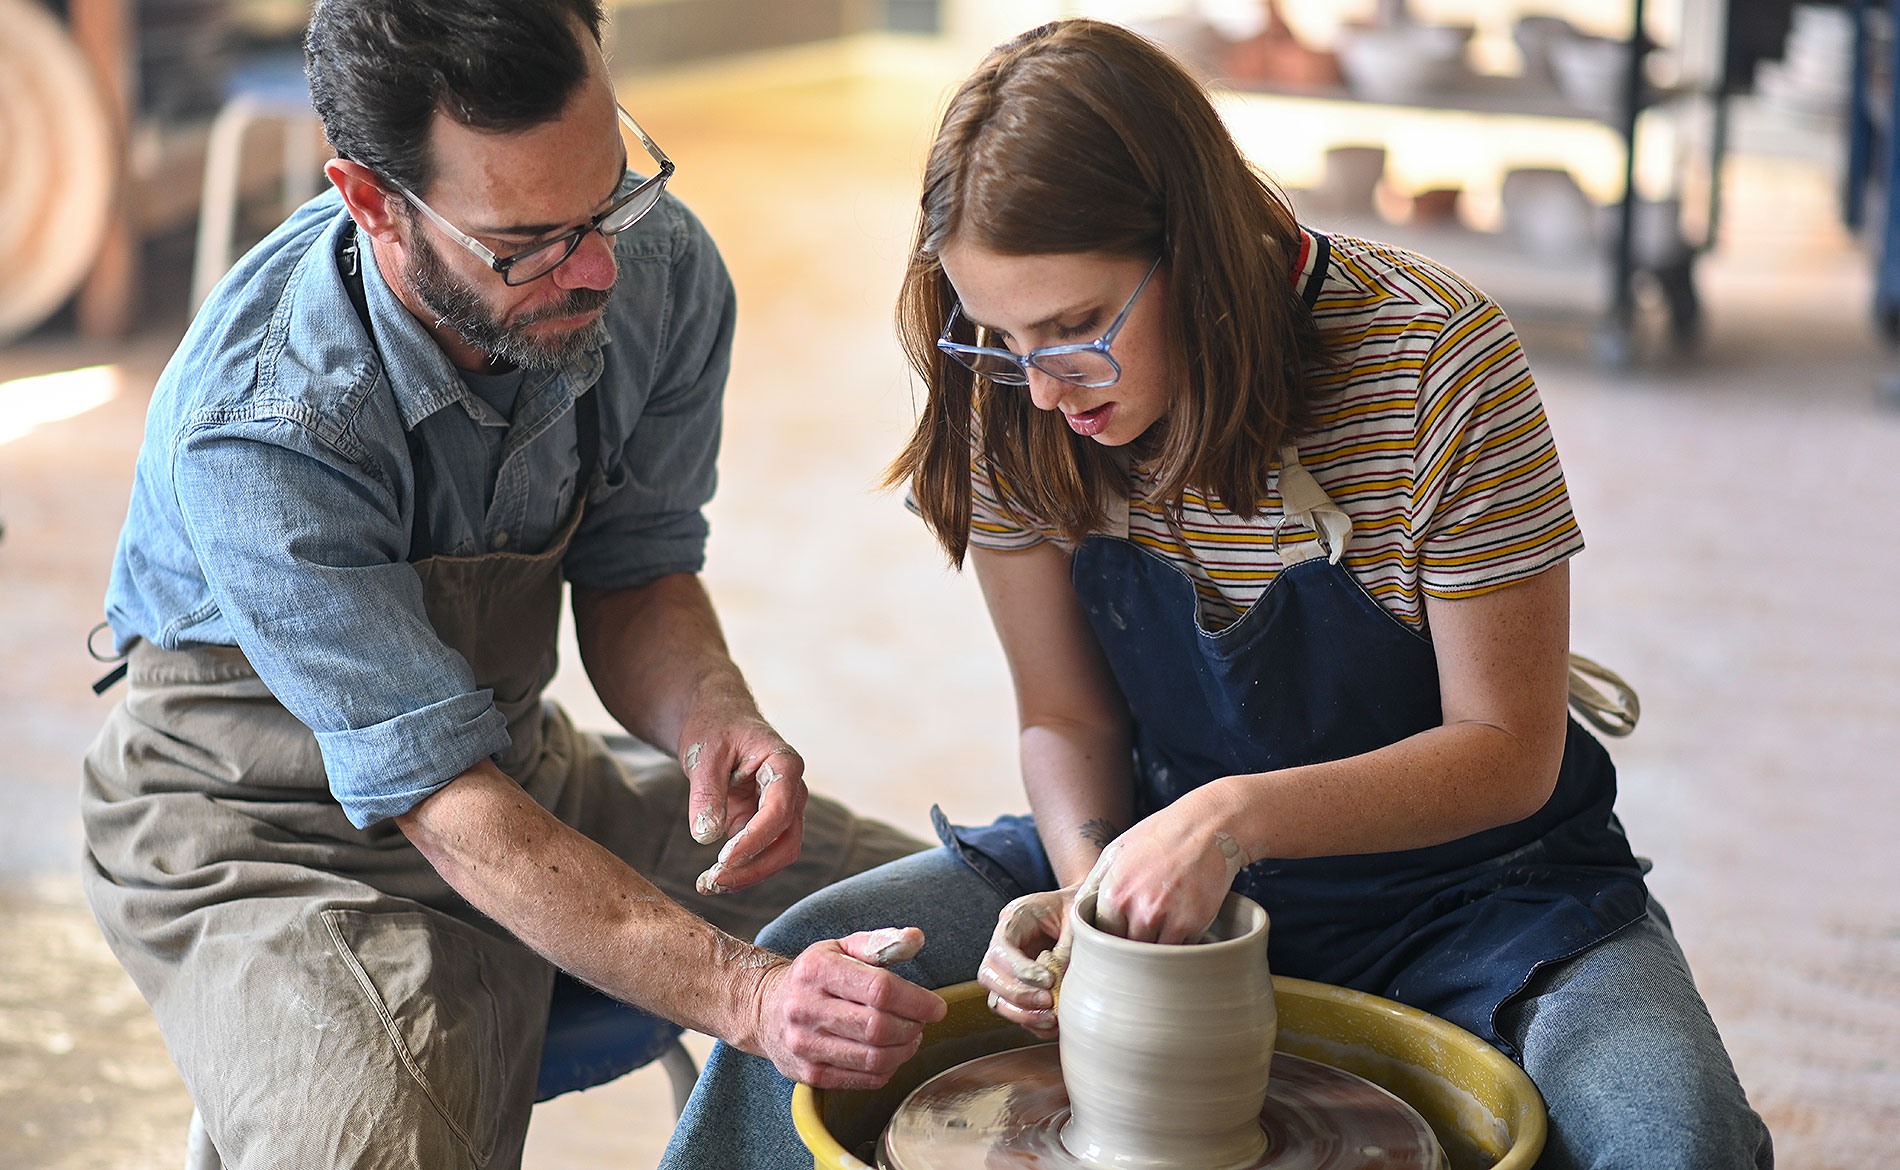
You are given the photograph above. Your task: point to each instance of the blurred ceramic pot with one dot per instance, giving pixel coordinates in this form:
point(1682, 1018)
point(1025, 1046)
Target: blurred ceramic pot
point(1592, 72)
point(1350, 178)
point(1547, 214)
point(1436, 206)
point(1166, 1049)
point(1402, 62)
point(1534, 34)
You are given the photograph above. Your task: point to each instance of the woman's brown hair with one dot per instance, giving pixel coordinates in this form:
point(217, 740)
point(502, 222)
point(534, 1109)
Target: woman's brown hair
point(1081, 136)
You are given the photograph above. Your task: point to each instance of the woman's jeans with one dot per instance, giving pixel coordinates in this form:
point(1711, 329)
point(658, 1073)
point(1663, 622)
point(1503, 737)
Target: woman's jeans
point(1631, 1067)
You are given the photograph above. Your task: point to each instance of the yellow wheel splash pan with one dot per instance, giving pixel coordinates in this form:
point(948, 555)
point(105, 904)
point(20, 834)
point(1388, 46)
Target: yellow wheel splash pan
point(1484, 1109)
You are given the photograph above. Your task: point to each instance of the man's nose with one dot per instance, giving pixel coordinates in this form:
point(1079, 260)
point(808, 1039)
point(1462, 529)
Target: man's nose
point(591, 265)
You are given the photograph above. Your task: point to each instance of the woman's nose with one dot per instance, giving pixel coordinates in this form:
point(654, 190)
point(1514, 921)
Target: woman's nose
point(591, 265)
point(1046, 392)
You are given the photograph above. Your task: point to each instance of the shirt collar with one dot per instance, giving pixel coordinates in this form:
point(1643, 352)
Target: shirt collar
point(1306, 256)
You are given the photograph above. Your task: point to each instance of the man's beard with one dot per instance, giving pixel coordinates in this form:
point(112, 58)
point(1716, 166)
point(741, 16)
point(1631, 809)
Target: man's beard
point(458, 306)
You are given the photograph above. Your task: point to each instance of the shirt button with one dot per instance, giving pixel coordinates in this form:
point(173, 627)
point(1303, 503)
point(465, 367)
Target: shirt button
point(501, 540)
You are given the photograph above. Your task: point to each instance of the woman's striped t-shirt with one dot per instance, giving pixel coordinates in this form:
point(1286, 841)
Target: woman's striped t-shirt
point(1429, 434)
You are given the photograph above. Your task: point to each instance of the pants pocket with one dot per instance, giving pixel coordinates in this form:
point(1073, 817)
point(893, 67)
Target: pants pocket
point(427, 979)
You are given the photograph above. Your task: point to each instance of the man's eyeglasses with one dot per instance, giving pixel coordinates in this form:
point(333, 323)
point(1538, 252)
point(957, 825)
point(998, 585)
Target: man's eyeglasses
point(537, 261)
point(1087, 364)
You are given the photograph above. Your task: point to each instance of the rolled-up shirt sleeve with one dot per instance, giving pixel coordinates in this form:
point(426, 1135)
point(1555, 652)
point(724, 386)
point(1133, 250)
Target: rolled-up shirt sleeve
point(645, 517)
point(304, 548)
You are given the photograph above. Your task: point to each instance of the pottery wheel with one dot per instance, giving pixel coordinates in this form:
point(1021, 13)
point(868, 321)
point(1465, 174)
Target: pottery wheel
point(1007, 1110)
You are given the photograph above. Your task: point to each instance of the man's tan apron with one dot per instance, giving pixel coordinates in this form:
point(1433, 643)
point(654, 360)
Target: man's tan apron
point(329, 999)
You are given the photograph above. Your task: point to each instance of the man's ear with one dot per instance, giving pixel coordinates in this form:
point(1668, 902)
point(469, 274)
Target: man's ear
point(371, 205)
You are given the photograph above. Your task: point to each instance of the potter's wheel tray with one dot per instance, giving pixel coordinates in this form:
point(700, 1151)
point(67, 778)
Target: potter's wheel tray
point(1006, 1111)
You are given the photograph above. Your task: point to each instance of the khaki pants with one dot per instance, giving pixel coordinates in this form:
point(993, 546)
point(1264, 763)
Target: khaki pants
point(330, 1001)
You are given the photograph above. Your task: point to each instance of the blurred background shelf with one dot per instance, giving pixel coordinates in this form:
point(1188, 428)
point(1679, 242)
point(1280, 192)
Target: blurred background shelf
point(1625, 85)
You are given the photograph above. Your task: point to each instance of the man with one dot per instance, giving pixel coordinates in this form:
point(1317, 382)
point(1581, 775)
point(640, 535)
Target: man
point(334, 833)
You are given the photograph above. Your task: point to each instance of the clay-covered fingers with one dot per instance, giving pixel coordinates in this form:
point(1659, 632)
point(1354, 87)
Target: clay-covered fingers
point(1022, 987)
point(764, 811)
point(882, 947)
point(1160, 882)
point(708, 774)
point(838, 1021)
point(1131, 914)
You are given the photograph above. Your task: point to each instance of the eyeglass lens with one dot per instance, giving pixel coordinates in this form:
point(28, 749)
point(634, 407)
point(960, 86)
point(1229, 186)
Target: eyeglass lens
point(529, 266)
point(1084, 367)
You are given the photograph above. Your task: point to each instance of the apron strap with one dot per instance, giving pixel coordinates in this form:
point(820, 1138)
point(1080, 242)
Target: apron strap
point(112, 676)
point(1316, 279)
point(350, 264)
point(1303, 501)
point(1614, 714)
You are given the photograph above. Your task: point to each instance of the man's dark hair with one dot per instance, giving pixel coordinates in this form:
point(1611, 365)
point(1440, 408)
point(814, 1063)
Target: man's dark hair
point(380, 69)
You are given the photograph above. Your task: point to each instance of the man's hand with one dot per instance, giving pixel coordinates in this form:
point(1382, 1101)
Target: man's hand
point(659, 663)
point(833, 1019)
point(747, 786)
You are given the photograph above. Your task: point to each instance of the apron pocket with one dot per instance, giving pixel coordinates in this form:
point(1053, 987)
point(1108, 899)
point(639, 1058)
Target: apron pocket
point(425, 982)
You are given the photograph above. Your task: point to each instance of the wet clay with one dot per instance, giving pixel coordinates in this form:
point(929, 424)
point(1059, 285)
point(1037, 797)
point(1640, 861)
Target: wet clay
point(1166, 1048)
point(1006, 1112)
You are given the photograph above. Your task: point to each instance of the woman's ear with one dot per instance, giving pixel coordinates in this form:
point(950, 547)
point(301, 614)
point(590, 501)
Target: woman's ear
point(371, 204)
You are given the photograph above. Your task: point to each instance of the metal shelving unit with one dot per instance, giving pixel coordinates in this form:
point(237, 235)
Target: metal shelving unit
point(1620, 268)
point(1873, 163)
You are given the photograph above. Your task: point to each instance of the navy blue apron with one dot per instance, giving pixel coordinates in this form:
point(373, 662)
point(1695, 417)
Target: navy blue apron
point(1316, 671)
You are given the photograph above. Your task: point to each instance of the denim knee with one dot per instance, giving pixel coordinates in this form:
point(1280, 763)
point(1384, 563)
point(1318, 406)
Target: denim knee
point(933, 891)
point(1631, 1066)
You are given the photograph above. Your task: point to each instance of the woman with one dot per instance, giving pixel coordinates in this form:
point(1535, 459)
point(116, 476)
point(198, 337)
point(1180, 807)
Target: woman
point(1274, 536)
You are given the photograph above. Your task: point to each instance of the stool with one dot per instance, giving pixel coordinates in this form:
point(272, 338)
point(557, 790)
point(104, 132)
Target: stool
point(592, 1039)
point(259, 88)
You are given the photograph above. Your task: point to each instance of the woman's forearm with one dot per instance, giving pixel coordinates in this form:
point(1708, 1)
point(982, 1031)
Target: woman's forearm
point(1433, 787)
point(1080, 782)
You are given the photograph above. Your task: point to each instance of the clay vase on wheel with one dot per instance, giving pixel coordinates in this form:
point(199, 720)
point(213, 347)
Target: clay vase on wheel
point(1166, 1049)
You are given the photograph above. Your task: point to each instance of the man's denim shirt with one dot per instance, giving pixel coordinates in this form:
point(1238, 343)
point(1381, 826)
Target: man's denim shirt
point(273, 500)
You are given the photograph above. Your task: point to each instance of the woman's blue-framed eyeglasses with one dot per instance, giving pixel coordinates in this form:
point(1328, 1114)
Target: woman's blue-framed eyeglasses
point(1087, 364)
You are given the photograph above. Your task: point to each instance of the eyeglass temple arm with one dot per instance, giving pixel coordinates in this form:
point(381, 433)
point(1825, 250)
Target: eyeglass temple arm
point(1121, 318)
point(467, 241)
point(652, 147)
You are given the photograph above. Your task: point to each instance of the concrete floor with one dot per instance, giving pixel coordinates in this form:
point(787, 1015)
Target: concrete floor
point(1740, 571)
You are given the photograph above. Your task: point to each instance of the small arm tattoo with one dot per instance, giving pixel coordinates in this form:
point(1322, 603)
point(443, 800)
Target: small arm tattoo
point(1097, 832)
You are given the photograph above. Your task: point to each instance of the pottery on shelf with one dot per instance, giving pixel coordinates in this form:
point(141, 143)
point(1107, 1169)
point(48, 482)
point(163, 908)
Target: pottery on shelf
point(1276, 55)
point(1547, 214)
point(1534, 33)
point(1402, 62)
point(1349, 181)
point(1436, 206)
point(1592, 72)
point(1166, 1049)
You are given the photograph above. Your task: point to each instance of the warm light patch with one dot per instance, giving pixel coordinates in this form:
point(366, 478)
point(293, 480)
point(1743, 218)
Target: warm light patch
point(26, 403)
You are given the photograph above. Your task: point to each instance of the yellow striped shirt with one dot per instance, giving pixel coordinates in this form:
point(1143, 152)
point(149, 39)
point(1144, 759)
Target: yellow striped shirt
point(1429, 434)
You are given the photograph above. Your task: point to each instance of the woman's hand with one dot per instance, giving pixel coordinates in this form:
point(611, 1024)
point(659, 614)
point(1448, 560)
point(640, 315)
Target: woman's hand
point(1164, 880)
point(1022, 988)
